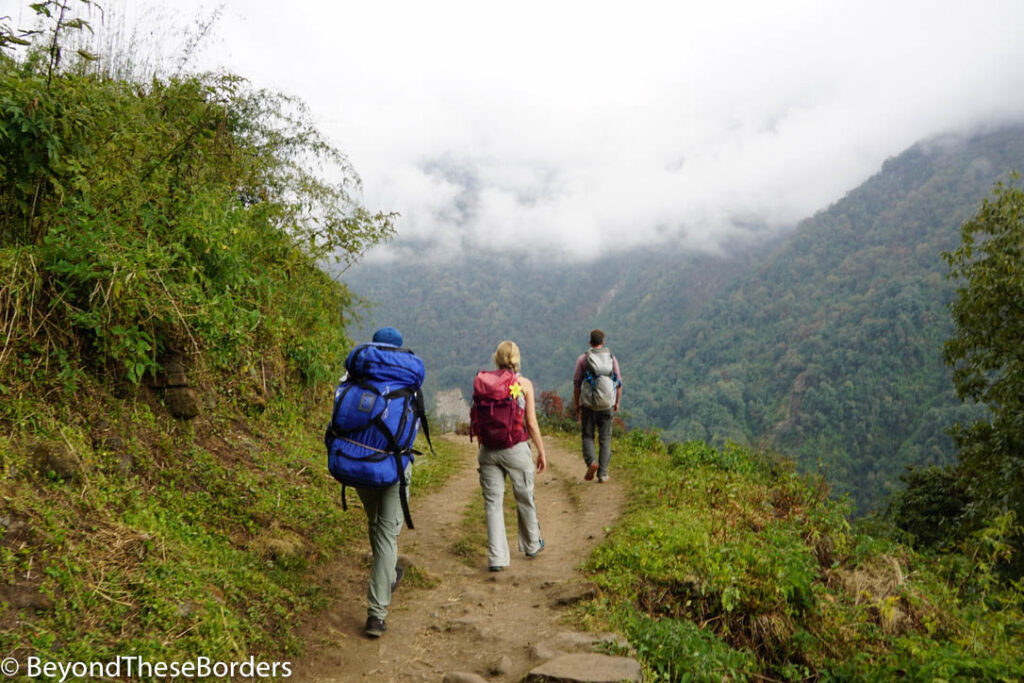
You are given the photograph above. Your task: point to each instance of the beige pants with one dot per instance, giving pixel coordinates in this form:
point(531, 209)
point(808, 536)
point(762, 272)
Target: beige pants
point(517, 464)
point(383, 523)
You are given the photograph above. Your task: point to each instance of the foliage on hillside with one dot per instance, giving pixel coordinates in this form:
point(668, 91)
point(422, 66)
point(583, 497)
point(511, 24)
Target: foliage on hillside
point(153, 235)
point(730, 566)
point(171, 216)
point(455, 314)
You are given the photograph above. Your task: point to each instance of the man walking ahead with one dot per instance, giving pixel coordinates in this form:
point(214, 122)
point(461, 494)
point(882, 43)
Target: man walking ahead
point(597, 390)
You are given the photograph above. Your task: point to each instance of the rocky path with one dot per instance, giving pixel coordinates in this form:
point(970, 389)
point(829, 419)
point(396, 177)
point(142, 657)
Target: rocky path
point(495, 625)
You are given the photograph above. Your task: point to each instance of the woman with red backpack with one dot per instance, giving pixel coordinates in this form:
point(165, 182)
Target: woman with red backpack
point(504, 418)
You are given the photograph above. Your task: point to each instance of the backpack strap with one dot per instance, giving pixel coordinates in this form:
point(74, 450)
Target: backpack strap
point(403, 494)
point(421, 413)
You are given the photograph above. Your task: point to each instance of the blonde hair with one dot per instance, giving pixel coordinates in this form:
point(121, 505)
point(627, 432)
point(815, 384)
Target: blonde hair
point(507, 355)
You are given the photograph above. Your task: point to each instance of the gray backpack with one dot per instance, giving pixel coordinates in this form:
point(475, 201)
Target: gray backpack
point(597, 392)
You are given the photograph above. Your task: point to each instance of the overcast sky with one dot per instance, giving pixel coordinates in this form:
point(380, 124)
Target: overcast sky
point(577, 126)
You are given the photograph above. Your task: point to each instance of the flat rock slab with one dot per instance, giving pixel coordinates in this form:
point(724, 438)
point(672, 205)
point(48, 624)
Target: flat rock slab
point(587, 668)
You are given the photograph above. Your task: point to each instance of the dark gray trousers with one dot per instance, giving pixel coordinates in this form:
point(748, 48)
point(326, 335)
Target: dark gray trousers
point(601, 422)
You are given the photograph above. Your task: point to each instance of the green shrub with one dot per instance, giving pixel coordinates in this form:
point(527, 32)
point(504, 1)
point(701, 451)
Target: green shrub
point(676, 650)
point(930, 507)
point(185, 215)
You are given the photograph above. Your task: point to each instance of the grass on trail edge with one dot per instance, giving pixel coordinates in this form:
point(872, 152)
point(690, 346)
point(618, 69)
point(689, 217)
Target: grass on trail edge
point(728, 565)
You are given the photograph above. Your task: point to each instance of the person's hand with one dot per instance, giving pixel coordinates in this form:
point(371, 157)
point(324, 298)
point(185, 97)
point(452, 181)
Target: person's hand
point(542, 463)
point(615, 408)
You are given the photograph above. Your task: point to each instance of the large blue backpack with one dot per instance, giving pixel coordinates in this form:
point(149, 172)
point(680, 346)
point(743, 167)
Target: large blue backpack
point(378, 410)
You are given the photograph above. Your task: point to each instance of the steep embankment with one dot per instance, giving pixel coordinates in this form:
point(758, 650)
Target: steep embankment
point(452, 614)
point(166, 340)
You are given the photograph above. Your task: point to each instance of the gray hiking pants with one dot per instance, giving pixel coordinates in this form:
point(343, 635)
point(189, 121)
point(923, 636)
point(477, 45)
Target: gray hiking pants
point(601, 421)
point(383, 522)
point(517, 463)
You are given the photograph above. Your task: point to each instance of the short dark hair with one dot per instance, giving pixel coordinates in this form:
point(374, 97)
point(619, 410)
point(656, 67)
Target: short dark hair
point(596, 337)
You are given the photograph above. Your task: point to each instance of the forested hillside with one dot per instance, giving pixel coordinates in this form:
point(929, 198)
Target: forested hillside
point(831, 350)
point(455, 313)
point(825, 345)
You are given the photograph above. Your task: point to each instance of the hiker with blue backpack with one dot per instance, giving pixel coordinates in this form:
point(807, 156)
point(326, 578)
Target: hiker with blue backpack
point(378, 410)
point(503, 417)
point(596, 393)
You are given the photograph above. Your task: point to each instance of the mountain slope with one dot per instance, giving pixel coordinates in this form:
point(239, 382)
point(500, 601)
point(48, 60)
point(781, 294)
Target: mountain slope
point(831, 350)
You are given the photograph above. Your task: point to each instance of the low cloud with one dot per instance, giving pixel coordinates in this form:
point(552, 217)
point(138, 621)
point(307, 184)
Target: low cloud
point(574, 128)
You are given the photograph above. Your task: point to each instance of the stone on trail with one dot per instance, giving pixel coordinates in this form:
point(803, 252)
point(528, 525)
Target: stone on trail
point(572, 593)
point(584, 668)
point(462, 677)
point(542, 652)
point(471, 625)
point(501, 666)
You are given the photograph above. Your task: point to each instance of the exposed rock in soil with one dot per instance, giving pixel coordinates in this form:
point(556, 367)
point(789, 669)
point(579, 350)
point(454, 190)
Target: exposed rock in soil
point(182, 402)
point(55, 459)
point(26, 597)
point(570, 594)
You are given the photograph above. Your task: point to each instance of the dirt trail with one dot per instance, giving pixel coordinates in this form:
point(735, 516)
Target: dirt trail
point(472, 617)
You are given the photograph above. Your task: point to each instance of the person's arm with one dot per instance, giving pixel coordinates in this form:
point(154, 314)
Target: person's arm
point(577, 381)
point(531, 424)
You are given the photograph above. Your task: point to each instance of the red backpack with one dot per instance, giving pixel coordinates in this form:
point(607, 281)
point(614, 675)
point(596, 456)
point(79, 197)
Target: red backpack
point(497, 416)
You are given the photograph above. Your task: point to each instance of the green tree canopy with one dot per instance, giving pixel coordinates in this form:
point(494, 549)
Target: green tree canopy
point(987, 351)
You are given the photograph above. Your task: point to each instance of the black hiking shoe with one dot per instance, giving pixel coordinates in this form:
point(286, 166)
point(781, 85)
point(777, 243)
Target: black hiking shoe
point(399, 571)
point(495, 568)
point(375, 627)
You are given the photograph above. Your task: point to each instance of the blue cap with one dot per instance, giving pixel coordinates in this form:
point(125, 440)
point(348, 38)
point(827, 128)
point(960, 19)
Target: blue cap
point(388, 335)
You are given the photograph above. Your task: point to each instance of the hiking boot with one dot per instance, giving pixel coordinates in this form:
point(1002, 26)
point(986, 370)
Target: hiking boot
point(591, 471)
point(602, 478)
point(495, 568)
point(375, 627)
point(399, 570)
point(538, 551)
